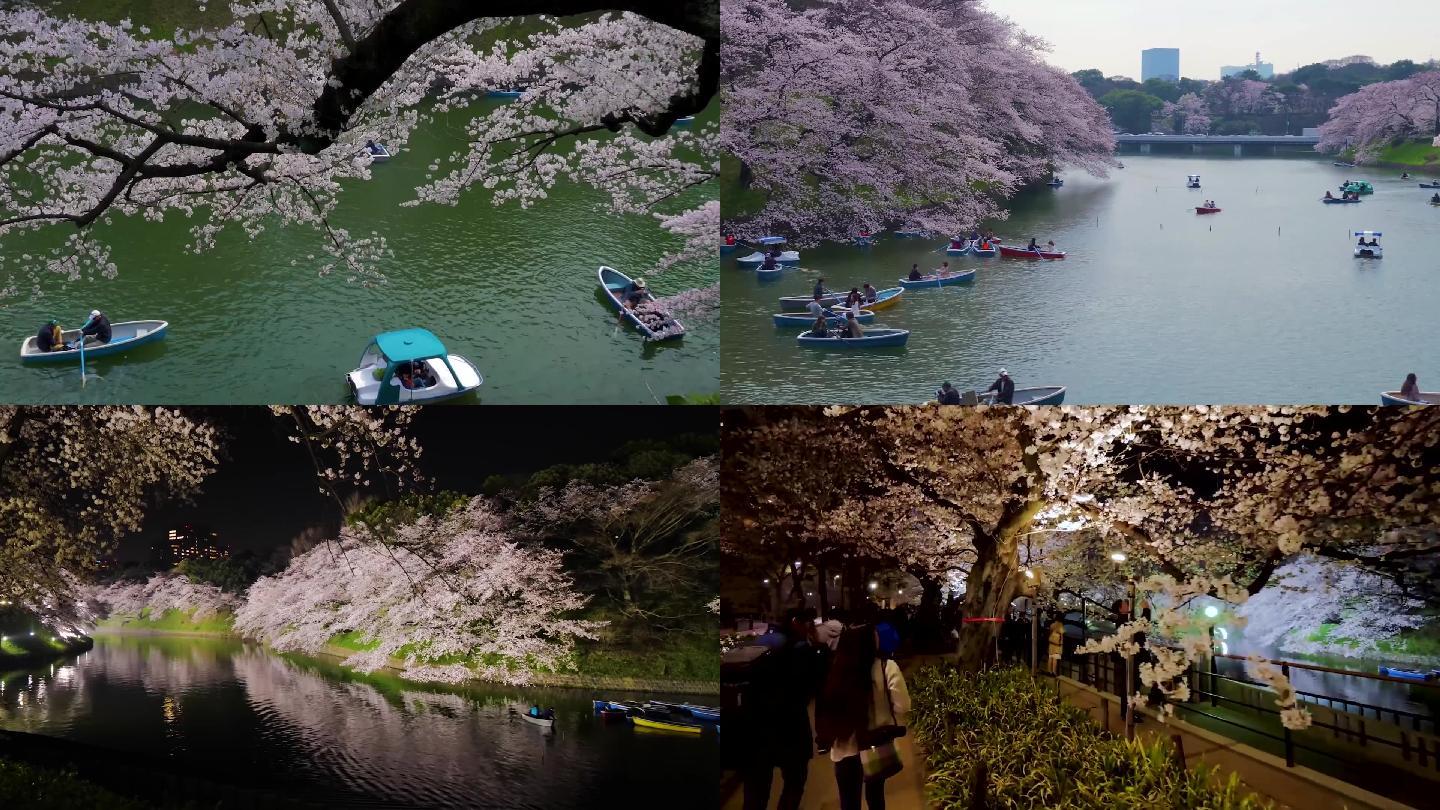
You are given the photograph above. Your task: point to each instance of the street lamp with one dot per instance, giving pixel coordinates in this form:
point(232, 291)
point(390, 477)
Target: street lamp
point(1118, 556)
point(873, 586)
point(1211, 611)
point(766, 581)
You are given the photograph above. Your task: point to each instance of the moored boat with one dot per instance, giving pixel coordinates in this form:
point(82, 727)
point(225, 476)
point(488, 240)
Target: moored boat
point(938, 280)
point(909, 235)
point(791, 320)
point(123, 335)
point(613, 715)
point(510, 92)
point(1394, 398)
point(665, 725)
point(1056, 183)
point(654, 324)
point(419, 355)
point(1021, 253)
point(1408, 674)
point(873, 339)
point(1042, 395)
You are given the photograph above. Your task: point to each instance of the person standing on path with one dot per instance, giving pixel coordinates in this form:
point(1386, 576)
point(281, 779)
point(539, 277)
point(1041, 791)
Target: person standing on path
point(777, 730)
point(859, 714)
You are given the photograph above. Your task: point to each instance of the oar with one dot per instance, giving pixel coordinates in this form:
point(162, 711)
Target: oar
point(82, 353)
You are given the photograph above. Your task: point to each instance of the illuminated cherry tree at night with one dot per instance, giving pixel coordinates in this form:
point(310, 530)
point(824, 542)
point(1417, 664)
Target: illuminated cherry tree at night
point(1194, 501)
point(853, 116)
point(259, 122)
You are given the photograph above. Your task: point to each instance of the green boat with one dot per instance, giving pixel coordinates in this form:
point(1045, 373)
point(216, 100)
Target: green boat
point(1357, 187)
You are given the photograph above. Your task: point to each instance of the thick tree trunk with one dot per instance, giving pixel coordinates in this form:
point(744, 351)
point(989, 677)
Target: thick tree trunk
point(928, 631)
point(994, 580)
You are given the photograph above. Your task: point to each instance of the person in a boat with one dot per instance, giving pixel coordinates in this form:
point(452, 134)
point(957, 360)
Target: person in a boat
point(769, 264)
point(975, 235)
point(421, 376)
point(852, 326)
point(374, 148)
point(1411, 389)
point(870, 293)
point(943, 269)
point(775, 252)
point(915, 272)
point(956, 244)
point(1435, 198)
point(97, 327)
point(853, 299)
point(947, 395)
point(1405, 175)
point(1050, 246)
point(819, 287)
point(820, 328)
point(1329, 196)
point(730, 240)
point(816, 309)
point(1033, 246)
point(48, 338)
point(635, 293)
point(1004, 388)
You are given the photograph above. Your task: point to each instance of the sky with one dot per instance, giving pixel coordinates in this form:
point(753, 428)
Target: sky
point(264, 492)
point(1109, 34)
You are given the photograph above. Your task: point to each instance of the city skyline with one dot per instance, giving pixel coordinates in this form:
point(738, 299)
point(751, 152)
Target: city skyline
point(1110, 34)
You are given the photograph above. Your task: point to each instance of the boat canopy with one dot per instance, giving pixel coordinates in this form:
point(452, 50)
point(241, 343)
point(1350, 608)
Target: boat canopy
point(1370, 234)
point(771, 240)
point(1193, 177)
point(410, 344)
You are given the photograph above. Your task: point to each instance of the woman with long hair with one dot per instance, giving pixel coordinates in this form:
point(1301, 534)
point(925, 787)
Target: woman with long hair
point(860, 712)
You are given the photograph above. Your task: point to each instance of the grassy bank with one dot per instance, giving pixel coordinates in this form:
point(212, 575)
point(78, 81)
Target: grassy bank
point(172, 621)
point(1004, 733)
point(737, 201)
point(26, 786)
point(1417, 154)
point(27, 650)
point(1421, 644)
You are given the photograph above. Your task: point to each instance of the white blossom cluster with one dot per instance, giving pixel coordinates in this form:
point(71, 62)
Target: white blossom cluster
point(162, 593)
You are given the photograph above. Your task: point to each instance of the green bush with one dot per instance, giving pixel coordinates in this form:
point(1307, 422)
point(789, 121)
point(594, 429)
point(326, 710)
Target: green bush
point(1042, 752)
point(23, 786)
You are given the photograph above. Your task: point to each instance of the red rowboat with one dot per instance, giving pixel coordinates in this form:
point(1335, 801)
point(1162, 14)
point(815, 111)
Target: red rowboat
point(1200, 210)
point(1021, 253)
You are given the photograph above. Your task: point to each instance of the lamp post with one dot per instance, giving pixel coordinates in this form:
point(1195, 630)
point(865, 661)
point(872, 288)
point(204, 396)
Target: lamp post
point(1118, 557)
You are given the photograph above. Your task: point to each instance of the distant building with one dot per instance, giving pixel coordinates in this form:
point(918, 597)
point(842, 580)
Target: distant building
point(1265, 69)
point(1160, 63)
point(190, 542)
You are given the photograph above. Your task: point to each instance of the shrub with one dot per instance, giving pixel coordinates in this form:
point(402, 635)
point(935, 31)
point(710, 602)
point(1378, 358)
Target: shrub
point(42, 789)
point(1039, 751)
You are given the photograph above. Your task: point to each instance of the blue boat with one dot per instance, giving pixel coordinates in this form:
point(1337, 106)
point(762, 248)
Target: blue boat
point(1337, 201)
point(514, 92)
point(864, 241)
point(952, 250)
point(993, 250)
point(415, 354)
point(1410, 674)
point(124, 335)
point(937, 280)
point(874, 339)
point(1394, 398)
point(1045, 395)
point(789, 320)
point(657, 326)
point(726, 250)
point(909, 235)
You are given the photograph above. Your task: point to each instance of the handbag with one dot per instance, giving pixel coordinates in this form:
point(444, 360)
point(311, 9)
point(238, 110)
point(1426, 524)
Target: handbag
point(879, 759)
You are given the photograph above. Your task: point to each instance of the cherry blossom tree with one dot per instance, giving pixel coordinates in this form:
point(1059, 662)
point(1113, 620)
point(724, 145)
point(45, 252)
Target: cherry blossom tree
point(1235, 96)
point(1188, 114)
point(1378, 115)
point(1197, 501)
point(443, 588)
point(854, 115)
point(259, 122)
point(162, 593)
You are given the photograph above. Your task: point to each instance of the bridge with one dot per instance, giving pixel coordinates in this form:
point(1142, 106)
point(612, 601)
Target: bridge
point(1237, 142)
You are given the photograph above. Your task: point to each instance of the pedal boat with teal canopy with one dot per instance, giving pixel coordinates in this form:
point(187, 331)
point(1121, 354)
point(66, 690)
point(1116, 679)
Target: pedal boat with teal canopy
point(377, 380)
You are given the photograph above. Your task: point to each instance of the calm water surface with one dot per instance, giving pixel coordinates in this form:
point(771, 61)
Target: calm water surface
point(513, 290)
point(1261, 303)
point(237, 714)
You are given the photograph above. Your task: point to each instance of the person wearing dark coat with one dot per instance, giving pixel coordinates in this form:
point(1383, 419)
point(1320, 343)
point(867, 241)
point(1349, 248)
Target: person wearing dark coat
point(779, 734)
point(97, 327)
point(48, 338)
point(947, 395)
point(1004, 388)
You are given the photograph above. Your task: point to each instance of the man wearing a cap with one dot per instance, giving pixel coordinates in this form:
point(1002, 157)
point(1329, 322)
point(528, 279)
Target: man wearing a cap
point(636, 293)
point(48, 338)
point(1004, 388)
point(97, 327)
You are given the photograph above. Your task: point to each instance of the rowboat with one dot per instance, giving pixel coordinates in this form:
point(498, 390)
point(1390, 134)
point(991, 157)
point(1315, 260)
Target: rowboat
point(957, 248)
point(757, 258)
point(615, 706)
point(771, 273)
point(654, 324)
point(613, 715)
point(788, 320)
point(377, 380)
point(1409, 674)
point(512, 92)
point(1336, 200)
point(547, 722)
point(698, 712)
point(1044, 395)
point(1343, 164)
point(1394, 398)
point(665, 725)
point(884, 299)
point(727, 249)
point(874, 339)
point(1435, 184)
point(1202, 210)
point(685, 122)
point(1021, 253)
point(909, 235)
point(865, 240)
point(1056, 183)
point(993, 250)
point(938, 280)
point(123, 335)
point(379, 154)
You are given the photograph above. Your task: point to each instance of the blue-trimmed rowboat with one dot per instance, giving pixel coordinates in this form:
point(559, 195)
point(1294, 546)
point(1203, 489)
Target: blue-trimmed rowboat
point(685, 122)
point(507, 93)
point(1409, 674)
point(874, 339)
point(378, 378)
point(1435, 184)
point(957, 247)
point(909, 235)
point(1337, 201)
point(615, 284)
point(790, 320)
point(709, 713)
point(1043, 395)
point(379, 154)
point(726, 250)
point(937, 280)
point(1056, 183)
point(123, 335)
point(616, 706)
point(993, 250)
point(1394, 398)
point(884, 299)
point(865, 241)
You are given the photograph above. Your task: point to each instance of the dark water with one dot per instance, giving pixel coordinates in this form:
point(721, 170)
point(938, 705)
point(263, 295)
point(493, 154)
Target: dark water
point(1261, 303)
point(234, 713)
point(1421, 699)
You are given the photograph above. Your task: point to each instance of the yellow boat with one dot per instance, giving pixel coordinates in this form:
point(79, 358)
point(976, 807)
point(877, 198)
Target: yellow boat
point(645, 722)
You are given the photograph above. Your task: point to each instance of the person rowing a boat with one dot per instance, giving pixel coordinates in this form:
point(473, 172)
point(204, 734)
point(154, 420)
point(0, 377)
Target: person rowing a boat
point(97, 327)
point(1328, 195)
point(820, 328)
point(769, 264)
point(852, 326)
point(374, 148)
point(635, 294)
point(1411, 389)
point(542, 714)
point(820, 287)
point(1004, 388)
point(48, 339)
point(943, 270)
point(1033, 246)
point(1435, 199)
point(816, 309)
point(947, 395)
point(1405, 175)
point(915, 272)
point(870, 294)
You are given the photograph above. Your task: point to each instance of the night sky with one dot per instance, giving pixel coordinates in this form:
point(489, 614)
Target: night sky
point(265, 492)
